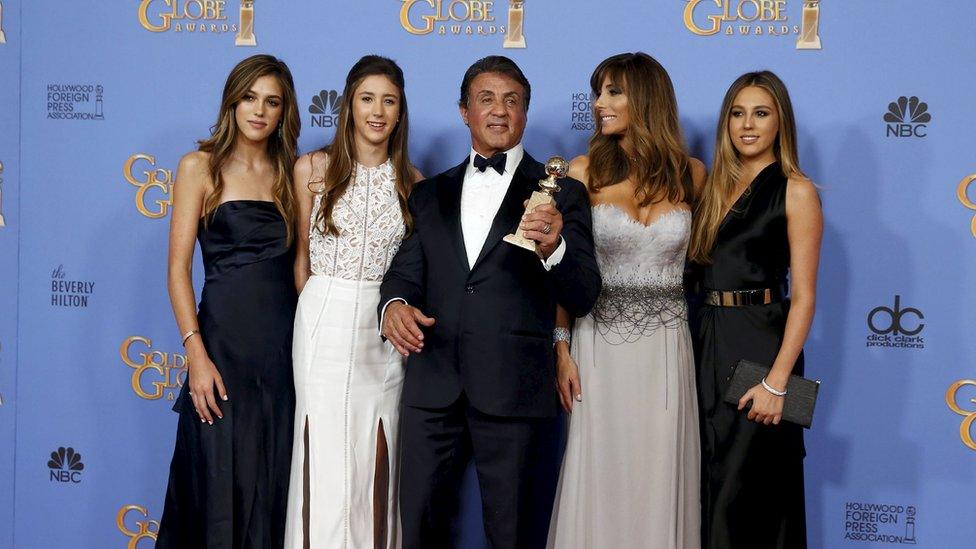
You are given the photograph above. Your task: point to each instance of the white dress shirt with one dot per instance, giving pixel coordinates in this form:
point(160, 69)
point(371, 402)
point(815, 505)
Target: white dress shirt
point(482, 193)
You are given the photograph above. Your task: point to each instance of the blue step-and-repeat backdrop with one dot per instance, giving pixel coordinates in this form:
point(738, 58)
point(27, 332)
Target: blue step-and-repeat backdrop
point(99, 99)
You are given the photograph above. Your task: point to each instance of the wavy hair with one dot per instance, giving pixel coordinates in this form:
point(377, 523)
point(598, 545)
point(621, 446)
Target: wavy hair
point(282, 144)
point(342, 151)
point(659, 160)
point(719, 189)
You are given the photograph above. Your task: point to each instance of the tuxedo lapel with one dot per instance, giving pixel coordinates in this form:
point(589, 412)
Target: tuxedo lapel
point(510, 212)
point(449, 201)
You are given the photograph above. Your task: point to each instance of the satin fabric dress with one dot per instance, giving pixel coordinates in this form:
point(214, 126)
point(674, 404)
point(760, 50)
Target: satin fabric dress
point(228, 481)
point(752, 474)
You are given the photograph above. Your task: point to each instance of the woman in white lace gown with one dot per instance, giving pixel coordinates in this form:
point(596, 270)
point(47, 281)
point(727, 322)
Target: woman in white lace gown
point(630, 474)
point(352, 199)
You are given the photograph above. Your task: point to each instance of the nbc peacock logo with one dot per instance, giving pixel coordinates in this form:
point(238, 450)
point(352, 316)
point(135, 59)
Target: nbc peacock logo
point(325, 109)
point(65, 465)
point(907, 117)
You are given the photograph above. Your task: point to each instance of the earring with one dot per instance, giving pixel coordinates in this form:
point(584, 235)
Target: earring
point(279, 131)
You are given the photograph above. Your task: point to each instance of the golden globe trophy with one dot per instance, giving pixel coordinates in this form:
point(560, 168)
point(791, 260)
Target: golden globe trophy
point(245, 31)
point(809, 31)
point(515, 38)
point(3, 37)
point(556, 168)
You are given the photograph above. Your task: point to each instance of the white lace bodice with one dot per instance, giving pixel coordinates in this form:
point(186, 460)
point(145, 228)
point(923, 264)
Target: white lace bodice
point(370, 226)
point(642, 268)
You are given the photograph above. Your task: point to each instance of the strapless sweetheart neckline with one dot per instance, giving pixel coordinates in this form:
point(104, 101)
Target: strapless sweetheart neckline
point(658, 219)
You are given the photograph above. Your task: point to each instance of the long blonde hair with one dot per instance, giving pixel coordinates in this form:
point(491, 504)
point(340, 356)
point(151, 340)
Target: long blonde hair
point(282, 144)
point(720, 186)
point(342, 150)
point(659, 160)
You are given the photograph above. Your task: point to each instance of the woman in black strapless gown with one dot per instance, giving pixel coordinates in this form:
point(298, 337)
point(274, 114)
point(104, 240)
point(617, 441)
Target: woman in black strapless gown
point(757, 224)
point(229, 474)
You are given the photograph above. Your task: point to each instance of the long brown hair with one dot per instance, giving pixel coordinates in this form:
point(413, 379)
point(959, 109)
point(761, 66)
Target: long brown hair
point(282, 144)
point(342, 151)
point(659, 161)
point(720, 186)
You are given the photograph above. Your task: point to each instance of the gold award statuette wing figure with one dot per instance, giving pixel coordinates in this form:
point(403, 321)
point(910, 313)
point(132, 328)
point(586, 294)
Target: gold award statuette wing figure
point(245, 30)
point(810, 26)
point(516, 18)
point(556, 168)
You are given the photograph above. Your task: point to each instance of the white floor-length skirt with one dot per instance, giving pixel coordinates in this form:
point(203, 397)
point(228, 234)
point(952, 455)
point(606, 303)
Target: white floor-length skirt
point(630, 474)
point(347, 384)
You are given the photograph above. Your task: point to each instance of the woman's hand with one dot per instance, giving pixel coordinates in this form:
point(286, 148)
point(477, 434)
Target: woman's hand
point(203, 375)
point(567, 380)
point(767, 408)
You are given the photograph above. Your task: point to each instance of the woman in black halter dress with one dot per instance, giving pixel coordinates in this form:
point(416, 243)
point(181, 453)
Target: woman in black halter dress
point(229, 474)
point(758, 225)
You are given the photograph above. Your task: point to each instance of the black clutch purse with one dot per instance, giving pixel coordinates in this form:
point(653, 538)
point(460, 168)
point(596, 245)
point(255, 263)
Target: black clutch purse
point(801, 393)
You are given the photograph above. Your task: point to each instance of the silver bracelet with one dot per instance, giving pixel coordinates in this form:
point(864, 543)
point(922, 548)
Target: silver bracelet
point(560, 334)
point(771, 390)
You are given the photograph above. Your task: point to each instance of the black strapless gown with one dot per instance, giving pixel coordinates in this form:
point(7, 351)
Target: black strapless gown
point(228, 481)
point(752, 475)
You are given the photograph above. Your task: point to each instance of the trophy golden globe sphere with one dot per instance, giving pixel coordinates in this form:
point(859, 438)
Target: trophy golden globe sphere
point(556, 168)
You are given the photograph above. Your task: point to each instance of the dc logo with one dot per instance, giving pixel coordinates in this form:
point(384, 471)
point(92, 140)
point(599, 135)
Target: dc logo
point(886, 320)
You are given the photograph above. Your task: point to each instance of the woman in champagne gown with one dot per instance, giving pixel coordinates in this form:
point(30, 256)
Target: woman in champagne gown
point(229, 474)
point(630, 473)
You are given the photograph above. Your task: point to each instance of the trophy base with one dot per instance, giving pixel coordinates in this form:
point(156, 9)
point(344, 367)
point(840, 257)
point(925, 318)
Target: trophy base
point(3, 38)
point(518, 43)
point(249, 41)
point(518, 237)
point(522, 242)
point(809, 44)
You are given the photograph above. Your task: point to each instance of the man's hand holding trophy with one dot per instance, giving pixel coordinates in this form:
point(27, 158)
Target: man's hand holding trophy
point(542, 223)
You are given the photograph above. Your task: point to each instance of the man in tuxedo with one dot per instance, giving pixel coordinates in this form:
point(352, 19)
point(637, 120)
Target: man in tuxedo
point(475, 315)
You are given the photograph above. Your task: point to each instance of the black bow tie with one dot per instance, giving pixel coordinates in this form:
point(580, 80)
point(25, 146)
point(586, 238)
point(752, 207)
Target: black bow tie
point(496, 161)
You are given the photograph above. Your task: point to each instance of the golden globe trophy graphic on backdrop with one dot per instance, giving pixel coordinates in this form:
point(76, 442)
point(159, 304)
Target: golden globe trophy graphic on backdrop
point(556, 168)
point(3, 37)
point(810, 27)
point(516, 17)
point(245, 33)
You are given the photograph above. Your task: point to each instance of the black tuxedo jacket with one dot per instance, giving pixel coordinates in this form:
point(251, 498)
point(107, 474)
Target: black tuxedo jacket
point(493, 333)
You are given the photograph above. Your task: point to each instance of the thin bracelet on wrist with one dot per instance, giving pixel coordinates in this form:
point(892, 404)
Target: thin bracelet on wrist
point(188, 335)
point(771, 390)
